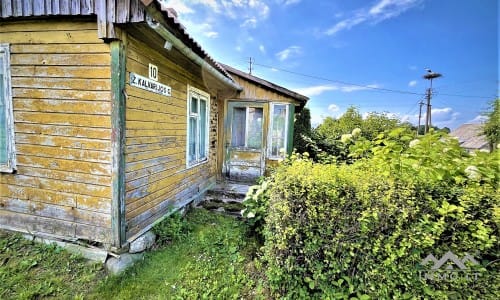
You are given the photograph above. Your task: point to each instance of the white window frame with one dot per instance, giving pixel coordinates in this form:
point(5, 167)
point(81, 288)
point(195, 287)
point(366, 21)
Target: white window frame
point(10, 166)
point(247, 119)
point(201, 95)
point(270, 132)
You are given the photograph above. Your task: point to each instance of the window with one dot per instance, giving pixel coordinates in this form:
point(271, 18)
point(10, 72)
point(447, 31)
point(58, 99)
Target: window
point(246, 130)
point(278, 131)
point(198, 112)
point(7, 151)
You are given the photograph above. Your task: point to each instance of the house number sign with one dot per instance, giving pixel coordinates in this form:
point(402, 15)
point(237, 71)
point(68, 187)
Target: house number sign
point(148, 84)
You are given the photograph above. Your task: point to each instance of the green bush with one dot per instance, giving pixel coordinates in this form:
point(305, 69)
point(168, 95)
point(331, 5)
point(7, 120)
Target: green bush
point(173, 228)
point(362, 230)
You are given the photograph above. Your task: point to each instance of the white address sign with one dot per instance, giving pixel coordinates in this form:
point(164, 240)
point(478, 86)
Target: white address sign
point(149, 85)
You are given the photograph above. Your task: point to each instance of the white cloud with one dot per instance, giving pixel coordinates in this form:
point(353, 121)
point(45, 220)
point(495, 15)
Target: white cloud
point(243, 9)
point(355, 88)
point(320, 89)
point(478, 119)
point(412, 83)
point(210, 3)
point(315, 90)
point(412, 67)
point(205, 29)
point(382, 10)
point(211, 34)
point(288, 52)
point(179, 6)
point(262, 49)
point(249, 23)
point(443, 116)
point(333, 108)
point(288, 2)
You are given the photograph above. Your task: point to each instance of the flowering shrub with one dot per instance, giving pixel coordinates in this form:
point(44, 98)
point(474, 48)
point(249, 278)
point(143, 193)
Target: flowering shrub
point(362, 229)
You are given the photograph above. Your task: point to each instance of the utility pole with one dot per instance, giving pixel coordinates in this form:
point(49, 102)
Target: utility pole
point(419, 116)
point(250, 62)
point(428, 119)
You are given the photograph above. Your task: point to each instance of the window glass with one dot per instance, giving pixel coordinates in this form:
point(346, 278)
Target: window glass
point(278, 130)
point(3, 116)
point(192, 139)
point(3, 120)
point(254, 140)
point(203, 129)
point(238, 128)
point(194, 105)
point(198, 126)
point(7, 149)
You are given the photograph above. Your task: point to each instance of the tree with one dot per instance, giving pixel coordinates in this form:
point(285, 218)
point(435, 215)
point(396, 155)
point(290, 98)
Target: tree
point(332, 129)
point(302, 130)
point(491, 128)
point(376, 123)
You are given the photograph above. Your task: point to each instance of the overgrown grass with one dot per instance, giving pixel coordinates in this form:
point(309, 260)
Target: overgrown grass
point(202, 256)
point(211, 257)
point(30, 270)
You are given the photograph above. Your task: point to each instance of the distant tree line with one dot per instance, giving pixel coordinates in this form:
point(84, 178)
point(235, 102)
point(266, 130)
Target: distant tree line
point(325, 139)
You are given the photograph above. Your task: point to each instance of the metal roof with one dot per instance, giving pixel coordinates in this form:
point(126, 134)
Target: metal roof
point(470, 136)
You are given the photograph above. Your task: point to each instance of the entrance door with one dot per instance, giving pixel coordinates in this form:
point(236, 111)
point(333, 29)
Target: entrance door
point(245, 141)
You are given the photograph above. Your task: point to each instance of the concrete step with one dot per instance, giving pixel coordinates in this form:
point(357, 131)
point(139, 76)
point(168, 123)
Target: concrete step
point(226, 197)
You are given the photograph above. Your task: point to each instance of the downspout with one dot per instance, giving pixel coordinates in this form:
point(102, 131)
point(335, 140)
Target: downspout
point(167, 35)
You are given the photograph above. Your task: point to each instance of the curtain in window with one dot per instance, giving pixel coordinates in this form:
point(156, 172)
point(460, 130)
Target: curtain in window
point(192, 138)
point(254, 140)
point(278, 131)
point(3, 117)
point(203, 129)
point(238, 127)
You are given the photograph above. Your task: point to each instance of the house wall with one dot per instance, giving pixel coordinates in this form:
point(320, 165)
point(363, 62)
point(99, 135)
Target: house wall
point(252, 93)
point(157, 178)
point(61, 98)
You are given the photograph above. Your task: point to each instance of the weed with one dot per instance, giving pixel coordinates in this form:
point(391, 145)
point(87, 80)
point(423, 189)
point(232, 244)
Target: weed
point(213, 260)
point(30, 270)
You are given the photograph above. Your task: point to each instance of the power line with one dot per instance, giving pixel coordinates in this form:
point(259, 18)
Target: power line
point(366, 86)
point(465, 96)
point(341, 82)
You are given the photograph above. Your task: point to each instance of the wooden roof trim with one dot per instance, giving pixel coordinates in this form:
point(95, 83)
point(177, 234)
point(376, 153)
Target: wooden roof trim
point(266, 84)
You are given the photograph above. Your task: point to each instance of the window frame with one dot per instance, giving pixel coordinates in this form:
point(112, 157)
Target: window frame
point(10, 166)
point(270, 132)
point(201, 96)
point(247, 120)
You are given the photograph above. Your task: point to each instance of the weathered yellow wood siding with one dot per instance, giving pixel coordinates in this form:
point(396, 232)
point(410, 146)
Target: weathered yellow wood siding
point(156, 129)
point(252, 92)
point(61, 98)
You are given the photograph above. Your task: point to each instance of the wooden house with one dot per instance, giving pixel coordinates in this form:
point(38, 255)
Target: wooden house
point(258, 126)
point(471, 137)
point(111, 116)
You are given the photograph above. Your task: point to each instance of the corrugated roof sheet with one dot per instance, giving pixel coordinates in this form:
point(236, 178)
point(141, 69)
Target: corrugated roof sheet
point(108, 12)
point(470, 136)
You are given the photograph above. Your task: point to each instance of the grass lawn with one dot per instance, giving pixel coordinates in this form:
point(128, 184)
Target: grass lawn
point(30, 270)
point(209, 256)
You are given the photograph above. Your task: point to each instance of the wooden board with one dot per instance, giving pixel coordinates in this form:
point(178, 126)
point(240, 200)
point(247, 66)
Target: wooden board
point(61, 81)
point(156, 130)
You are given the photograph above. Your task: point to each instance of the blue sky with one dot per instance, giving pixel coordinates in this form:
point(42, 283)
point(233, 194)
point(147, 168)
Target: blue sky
point(371, 54)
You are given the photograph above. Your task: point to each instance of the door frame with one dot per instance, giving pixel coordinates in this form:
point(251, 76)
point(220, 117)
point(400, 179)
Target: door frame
point(228, 121)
